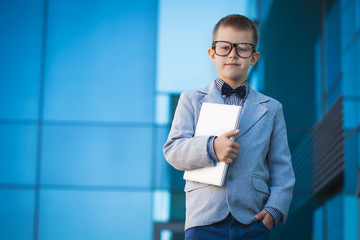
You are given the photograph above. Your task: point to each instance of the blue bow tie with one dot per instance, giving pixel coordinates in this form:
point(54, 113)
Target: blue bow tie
point(239, 91)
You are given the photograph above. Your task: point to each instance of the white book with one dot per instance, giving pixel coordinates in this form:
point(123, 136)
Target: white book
point(214, 120)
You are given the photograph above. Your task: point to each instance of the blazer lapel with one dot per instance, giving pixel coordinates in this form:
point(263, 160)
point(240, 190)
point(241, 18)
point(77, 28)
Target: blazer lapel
point(252, 112)
point(211, 94)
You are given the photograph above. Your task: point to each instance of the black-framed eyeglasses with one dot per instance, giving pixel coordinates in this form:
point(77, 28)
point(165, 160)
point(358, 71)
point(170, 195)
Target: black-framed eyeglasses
point(243, 50)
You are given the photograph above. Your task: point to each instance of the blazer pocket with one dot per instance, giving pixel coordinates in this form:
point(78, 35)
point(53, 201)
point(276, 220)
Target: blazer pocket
point(191, 186)
point(260, 184)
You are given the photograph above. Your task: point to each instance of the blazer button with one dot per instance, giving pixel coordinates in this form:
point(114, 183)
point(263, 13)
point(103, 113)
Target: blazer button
point(230, 178)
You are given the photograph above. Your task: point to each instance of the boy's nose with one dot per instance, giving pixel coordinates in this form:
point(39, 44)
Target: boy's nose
point(233, 53)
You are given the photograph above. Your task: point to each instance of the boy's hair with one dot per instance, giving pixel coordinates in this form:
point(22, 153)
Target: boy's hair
point(238, 22)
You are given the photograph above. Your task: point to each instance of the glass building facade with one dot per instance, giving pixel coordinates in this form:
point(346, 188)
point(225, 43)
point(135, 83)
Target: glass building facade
point(77, 112)
point(310, 62)
point(87, 94)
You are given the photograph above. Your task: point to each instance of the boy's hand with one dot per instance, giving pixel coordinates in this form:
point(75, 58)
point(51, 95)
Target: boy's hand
point(266, 218)
point(225, 149)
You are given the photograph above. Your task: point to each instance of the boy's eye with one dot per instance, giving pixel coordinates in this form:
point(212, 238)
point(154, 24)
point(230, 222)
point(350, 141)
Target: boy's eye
point(243, 48)
point(225, 47)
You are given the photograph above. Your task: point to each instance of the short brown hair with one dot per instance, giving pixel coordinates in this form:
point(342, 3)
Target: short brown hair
point(239, 22)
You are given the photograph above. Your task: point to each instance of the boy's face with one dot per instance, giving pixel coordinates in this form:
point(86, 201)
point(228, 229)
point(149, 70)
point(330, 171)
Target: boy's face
point(232, 68)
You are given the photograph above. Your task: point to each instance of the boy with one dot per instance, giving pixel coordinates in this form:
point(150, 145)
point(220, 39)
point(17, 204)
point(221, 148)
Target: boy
point(260, 179)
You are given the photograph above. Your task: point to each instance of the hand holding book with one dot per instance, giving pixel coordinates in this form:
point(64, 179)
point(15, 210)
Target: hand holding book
point(217, 120)
point(225, 149)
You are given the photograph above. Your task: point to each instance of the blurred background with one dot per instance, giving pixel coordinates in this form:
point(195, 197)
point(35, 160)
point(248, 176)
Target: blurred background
point(87, 94)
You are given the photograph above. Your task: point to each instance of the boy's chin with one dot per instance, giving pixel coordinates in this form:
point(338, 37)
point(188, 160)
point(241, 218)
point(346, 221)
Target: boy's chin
point(233, 76)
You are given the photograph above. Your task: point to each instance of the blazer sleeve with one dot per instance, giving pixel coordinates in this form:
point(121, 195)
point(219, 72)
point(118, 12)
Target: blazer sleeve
point(282, 176)
point(182, 150)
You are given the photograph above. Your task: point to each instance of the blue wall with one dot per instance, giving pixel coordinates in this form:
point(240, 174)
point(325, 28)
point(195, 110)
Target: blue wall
point(77, 100)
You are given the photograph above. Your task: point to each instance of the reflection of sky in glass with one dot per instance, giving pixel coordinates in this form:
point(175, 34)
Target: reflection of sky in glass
point(184, 36)
point(95, 50)
point(20, 58)
point(94, 215)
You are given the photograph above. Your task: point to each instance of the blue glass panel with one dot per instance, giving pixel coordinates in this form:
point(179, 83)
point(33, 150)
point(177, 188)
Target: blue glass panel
point(20, 58)
point(257, 80)
point(162, 167)
point(97, 156)
point(333, 94)
point(101, 60)
point(252, 9)
point(334, 212)
point(166, 234)
point(357, 66)
point(17, 214)
point(350, 80)
point(318, 226)
point(357, 15)
point(74, 215)
point(332, 46)
point(344, 3)
point(348, 24)
point(350, 114)
point(162, 109)
point(161, 205)
point(351, 215)
point(351, 165)
point(318, 80)
point(265, 7)
point(358, 147)
point(17, 154)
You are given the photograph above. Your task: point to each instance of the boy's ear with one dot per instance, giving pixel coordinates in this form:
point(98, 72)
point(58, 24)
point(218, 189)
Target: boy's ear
point(211, 53)
point(254, 58)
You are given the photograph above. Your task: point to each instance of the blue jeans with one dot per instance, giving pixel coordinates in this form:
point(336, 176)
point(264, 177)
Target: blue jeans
point(229, 229)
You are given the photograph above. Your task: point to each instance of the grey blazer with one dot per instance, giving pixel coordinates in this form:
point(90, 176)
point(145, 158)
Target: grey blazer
point(260, 176)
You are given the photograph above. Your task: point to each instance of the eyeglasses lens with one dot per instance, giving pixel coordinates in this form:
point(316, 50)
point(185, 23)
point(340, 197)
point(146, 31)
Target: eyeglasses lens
point(244, 50)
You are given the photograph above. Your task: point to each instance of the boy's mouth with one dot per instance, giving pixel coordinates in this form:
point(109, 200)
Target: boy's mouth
point(232, 64)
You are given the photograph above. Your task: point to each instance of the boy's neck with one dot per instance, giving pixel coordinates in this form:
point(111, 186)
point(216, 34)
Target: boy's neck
point(234, 83)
